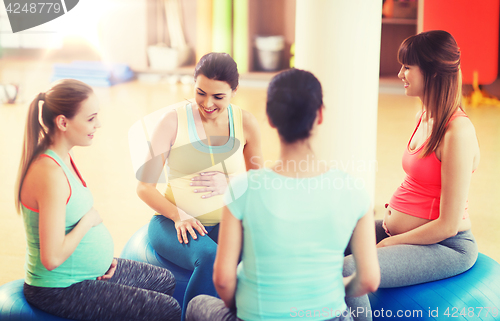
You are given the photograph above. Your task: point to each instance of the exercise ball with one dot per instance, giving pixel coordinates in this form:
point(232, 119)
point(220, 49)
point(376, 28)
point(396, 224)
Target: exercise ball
point(13, 305)
point(139, 248)
point(472, 295)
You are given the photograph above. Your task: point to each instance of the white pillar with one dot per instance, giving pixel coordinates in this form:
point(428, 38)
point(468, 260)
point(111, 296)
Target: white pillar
point(339, 42)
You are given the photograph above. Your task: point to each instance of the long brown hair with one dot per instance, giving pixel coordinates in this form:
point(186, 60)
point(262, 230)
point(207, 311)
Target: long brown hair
point(64, 98)
point(437, 55)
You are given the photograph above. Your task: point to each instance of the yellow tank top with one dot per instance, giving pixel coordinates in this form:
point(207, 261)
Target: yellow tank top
point(190, 155)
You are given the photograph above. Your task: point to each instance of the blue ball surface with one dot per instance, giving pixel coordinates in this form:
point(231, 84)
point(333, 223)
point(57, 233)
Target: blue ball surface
point(13, 305)
point(472, 295)
point(139, 248)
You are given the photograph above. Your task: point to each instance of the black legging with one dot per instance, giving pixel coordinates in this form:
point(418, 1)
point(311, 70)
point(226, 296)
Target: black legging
point(137, 291)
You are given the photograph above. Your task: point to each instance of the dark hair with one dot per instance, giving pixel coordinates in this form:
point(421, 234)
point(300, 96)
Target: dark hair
point(437, 55)
point(218, 66)
point(64, 98)
point(294, 97)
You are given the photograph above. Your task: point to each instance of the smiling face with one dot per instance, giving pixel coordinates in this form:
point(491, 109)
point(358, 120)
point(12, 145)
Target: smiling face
point(212, 96)
point(413, 80)
point(81, 128)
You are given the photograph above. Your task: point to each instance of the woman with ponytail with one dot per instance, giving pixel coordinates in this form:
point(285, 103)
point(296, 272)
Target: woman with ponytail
point(291, 225)
point(70, 269)
point(426, 232)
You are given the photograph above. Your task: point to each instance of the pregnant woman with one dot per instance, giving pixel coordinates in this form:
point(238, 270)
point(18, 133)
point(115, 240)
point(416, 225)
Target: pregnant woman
point(426, 232)
point(70, 269)
point(204, 143)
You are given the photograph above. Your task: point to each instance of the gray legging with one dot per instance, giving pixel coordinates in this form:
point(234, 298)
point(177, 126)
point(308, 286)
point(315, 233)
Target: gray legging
point(405, 264)
point(208, 308)
point(137, 291)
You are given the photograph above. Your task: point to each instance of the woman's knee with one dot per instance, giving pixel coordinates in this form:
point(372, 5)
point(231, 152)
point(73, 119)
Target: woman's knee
point(208, 308)
point(196, 306)
point(464, 251)
point(171, 309)
point(468, 260)
point(159, 272)
point(206, 256)
point(163, 280)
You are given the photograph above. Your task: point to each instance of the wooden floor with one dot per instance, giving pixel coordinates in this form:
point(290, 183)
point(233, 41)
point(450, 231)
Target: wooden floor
point(107, 167)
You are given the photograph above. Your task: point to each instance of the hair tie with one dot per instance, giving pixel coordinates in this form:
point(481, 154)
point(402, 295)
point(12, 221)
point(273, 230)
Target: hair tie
point(41, 96)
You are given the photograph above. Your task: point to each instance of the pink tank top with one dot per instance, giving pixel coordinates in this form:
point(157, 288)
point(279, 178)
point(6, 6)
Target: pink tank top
point(420, 193)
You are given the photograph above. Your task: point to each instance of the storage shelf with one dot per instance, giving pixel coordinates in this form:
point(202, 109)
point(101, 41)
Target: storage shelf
point(399, 21)
point(189, 70)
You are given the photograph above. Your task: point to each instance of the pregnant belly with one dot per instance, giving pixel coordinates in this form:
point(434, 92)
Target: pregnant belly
point(398, 222)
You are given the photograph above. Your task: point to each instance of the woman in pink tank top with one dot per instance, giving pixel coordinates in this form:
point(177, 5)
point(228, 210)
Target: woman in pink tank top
point(426, 227)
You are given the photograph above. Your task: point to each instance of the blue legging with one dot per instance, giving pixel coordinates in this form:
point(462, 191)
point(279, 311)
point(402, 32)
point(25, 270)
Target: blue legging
point(198, 255)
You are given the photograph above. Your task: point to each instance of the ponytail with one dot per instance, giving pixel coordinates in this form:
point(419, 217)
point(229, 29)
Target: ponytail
point(35, 138)
point(64, 98)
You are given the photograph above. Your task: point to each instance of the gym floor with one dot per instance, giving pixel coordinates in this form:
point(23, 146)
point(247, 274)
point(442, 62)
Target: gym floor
point(107, 168)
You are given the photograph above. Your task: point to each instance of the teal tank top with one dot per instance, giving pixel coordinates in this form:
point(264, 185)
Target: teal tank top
point(295, 231)
point(94, 253)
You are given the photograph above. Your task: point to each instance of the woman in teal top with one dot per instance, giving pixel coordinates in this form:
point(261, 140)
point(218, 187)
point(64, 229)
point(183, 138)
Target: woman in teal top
point(291, 223)
point(70, 269)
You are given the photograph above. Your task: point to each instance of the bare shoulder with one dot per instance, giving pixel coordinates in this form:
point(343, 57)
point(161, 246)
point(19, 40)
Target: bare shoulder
point(169, 118)
point(461, 128)
point(44, 176)
point(250, 123)
point(166, 128)
point(250, 127)
point(47, 171)
point(460, 137)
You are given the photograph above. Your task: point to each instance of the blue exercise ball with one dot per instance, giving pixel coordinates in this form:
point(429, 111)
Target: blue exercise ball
point(139, 248)
point(472, 295)
point(13, 305)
